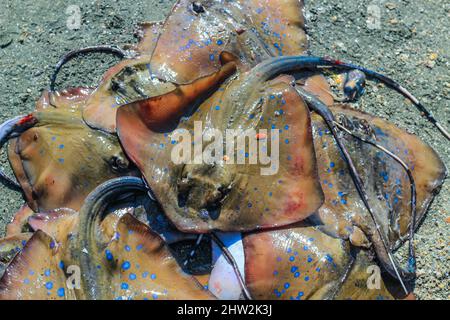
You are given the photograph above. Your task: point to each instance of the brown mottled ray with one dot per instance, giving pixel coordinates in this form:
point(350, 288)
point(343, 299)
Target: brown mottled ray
point(60, 160)
point(252, 31)
point(235, 188)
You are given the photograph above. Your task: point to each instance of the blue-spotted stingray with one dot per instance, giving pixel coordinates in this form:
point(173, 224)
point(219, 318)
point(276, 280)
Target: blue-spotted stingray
point(110, 215)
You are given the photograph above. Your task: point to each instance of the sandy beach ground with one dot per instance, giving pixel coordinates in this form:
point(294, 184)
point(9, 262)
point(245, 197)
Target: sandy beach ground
point(409, 41)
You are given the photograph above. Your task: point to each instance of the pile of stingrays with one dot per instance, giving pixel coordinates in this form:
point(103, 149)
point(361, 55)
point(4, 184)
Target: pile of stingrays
point(110, 215)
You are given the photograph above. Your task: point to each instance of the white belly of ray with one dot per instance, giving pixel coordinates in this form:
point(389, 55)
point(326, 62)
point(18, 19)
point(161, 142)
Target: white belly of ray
point(223, 282)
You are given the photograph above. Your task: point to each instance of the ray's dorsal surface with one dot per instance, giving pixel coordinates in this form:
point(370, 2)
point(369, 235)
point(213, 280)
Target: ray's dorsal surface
point(266, 29)
point(135, 261)
point(385, 180)
point(226, 195)
point(188, 46)
point(60, 159)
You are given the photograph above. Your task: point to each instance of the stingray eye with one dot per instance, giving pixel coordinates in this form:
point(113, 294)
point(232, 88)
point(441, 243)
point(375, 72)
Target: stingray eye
point(198, 7)
point(118, 164)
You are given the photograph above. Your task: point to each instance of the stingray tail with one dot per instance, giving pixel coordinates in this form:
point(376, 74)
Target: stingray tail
point(91, 215)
